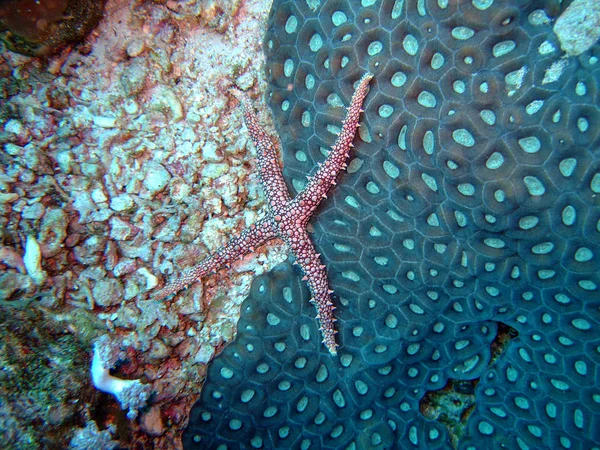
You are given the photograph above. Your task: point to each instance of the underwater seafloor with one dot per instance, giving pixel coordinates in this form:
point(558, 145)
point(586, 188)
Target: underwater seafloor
point(462, 245)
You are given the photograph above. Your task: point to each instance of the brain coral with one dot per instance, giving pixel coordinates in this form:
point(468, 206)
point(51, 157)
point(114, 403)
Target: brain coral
point(471, 205)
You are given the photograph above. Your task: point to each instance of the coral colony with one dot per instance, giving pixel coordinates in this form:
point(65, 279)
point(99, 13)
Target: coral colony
point(462, 242)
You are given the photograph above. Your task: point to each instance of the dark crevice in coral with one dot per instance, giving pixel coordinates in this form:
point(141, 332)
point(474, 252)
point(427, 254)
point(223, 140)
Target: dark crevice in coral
point(505, 334)
point(452, 405)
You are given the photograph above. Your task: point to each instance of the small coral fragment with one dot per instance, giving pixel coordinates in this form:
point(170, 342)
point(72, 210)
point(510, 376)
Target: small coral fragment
point(91, 437)
point(33, 260)
point(578, 27)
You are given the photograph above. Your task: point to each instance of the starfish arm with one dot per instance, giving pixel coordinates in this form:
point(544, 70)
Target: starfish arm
point(316, 278)
point(271, 176)
point(319, 184)
point(252, 237)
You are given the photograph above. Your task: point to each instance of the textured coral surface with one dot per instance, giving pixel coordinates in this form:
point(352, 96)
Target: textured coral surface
point(469, 222)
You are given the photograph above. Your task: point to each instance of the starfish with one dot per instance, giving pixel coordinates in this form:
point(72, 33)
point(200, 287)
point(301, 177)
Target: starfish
point(287, 218)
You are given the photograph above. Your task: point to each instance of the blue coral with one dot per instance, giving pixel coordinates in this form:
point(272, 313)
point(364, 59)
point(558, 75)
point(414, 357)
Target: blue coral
point(471, 205)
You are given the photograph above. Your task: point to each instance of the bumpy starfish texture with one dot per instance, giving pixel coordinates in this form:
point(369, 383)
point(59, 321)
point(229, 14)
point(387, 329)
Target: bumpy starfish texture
point(287, 218)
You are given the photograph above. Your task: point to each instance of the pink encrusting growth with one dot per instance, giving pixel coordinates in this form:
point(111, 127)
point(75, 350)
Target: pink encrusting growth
point(287, 218)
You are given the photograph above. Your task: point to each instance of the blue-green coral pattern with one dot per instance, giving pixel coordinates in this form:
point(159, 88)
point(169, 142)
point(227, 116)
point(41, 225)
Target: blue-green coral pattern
point(472, 202)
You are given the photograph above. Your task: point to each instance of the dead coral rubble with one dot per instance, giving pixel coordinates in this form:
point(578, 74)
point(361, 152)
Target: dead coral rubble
point(121, 163)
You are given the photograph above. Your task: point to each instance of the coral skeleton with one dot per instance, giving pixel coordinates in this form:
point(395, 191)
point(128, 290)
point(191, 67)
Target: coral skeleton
point(287, 218)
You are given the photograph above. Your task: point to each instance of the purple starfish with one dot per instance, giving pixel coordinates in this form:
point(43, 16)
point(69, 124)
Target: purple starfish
point(287, 218)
